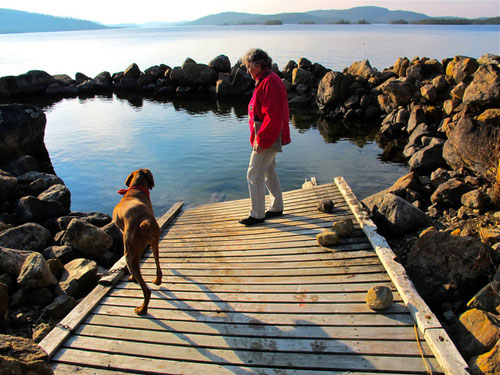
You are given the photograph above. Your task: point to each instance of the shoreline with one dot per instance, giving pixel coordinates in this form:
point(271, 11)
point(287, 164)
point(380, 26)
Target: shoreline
point(442, 117)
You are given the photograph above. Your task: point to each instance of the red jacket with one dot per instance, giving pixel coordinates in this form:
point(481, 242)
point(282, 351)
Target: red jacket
point(269, 104)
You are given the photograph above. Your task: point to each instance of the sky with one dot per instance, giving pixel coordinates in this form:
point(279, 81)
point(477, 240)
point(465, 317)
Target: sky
point(119, 11)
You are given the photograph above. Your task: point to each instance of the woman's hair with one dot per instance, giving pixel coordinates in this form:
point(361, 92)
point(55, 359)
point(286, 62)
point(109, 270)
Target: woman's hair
point(257, 56)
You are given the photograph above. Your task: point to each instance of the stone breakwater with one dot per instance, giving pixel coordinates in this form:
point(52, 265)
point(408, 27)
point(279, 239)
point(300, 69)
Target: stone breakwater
point(441, 219)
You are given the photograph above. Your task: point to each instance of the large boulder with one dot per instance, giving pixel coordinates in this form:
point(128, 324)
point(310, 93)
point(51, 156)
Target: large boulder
point(396, 216)
point(487, 363)
point(8, 186)
point(31, 83)
point(332, 91)
point(484, 89)
point(400, 91)
point(35, 273)
point(58, 193)
point(79, 277)
point(29, 236)
point(11, 260)
point(443, 266)
point(463, 69)
point(428, 158)
point(86, 239)
point(22, 130)
point(449, 193)
point(33, 209)
point(220, 64)
point(361, 68)
point(473, 145)
point(22, 356)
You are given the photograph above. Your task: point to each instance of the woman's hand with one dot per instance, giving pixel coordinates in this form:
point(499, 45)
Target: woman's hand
point(257, 148)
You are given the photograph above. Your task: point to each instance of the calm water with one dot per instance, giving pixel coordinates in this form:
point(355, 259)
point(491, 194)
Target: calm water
point(198, 150)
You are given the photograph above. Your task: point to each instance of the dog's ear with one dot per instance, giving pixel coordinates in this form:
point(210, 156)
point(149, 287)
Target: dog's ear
point(149, 177)
point(129, 179)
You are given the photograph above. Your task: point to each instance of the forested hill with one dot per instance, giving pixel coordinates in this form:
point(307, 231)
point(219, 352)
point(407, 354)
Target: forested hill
point(15, 21)
point(370, 14)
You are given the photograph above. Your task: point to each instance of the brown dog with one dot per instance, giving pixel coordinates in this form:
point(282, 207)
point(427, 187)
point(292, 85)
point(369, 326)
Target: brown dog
point(134, 216)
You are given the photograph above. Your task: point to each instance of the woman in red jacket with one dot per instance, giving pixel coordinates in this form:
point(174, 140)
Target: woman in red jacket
point(269, 130)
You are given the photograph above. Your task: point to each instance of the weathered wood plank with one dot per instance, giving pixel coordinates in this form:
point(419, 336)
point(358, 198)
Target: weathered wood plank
point(374, 325)
point(242, 338)
point(122, 363)
point(253, 357)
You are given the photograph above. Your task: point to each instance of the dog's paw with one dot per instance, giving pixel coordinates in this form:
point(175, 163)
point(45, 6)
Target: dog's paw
point(141, 310)
point(157, 281)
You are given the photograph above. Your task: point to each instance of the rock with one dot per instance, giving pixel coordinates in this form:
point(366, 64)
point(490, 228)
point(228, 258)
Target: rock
point(302, 77)
point(429, 92)
point(34, 183)
point(79, 277)
point(4, 305)
point(86, 239)
point(379, 298)
point(196, 76)
point(487, 299)
point(56, 267)
point(132, 72)
point(117, 236)
point(401, 65)
point(478, 332)
point(103, 81)
point(475, 199)
point(487, 363)
point(395, 216)
point(11, 260)
point(22, 132)
point(332, 91)
point(327, 238)
point(400, 91)
point(489, 236)
point(427, 159)
point(35, 273)
point(288, 70)
point(41, 331)
point(28, 236)
point(463, 69)
point(21, 165)
point(362, 69)
point(23, 356)
point(449, 193)
point(64, 253)
point(484, 89)
point(440, 266)
point(30, 208)
point(326, 206)
point(98, 219)
point(304, 63)
point(343, 227)
point(58, 193)
point(242, 81)
point(8, 186)
point(439, 176)
point(225, 89)
point(417, 116)
point(458, 91)
point(440, 83)
point(409, 181)
point(60, 307)
point(80, 78)
point(489, 58)
point(220, 64)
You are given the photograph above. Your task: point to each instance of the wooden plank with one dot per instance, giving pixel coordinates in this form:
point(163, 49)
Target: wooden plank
point(394, 325)
point(254, 357)
point(446, 353)
point(122, 363)
point(243, 338)
point(55, 337)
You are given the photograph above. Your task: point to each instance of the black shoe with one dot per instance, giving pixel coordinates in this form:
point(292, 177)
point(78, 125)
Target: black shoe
point(270, 214)
point(251, 221)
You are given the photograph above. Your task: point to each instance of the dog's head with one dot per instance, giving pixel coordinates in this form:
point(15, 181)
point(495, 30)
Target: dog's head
point(141, 177)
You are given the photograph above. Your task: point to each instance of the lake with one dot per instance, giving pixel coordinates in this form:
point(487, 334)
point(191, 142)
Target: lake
point(198, 150)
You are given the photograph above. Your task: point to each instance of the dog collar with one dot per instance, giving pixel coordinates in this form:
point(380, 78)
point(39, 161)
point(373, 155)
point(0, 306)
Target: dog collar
point(142, 189)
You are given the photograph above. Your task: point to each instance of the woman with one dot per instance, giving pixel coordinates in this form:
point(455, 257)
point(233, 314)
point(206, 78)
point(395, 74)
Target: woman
point(269, 130)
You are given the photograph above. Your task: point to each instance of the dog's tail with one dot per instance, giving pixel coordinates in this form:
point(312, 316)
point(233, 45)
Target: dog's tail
point(145, 225)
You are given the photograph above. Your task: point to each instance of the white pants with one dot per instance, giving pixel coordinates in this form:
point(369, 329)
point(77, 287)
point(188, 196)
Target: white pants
point(261, 174)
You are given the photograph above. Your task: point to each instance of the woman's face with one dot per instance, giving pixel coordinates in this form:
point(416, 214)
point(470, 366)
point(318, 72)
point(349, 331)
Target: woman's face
point(254, 70)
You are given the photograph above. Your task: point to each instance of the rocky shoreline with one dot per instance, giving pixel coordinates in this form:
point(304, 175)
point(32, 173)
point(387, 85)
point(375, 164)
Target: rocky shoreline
point(441, 219)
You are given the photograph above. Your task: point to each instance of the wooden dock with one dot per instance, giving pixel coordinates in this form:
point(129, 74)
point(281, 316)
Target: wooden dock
point(258, 300)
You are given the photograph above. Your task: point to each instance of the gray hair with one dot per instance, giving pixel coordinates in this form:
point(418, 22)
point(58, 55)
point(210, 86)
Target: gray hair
point(257, 56)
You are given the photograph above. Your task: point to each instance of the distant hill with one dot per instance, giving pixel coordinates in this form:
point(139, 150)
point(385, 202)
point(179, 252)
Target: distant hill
point(16, 21)
point(371, 14)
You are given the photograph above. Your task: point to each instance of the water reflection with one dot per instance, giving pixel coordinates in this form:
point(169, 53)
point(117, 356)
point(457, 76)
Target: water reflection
point(198, 149)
